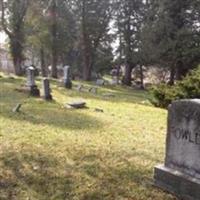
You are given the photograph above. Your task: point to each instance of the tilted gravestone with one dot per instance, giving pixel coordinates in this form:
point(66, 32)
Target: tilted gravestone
point(181, 172)
point(32, 87)
point(93, 90)
point(46, 89)
point(67, 77)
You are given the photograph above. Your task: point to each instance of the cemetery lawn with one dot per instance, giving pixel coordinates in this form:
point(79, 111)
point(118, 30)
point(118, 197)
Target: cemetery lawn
point(49, 152)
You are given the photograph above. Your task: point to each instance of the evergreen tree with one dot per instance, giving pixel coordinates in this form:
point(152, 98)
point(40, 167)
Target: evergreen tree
point(94, 18)
point(13, 14)
point(174, 36)
point(129, 21)
point(51, 51)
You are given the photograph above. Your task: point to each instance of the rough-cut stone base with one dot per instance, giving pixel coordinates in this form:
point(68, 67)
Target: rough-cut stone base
point(184, 187)
point(48, 98)
point(34, 91)
point(68, 84)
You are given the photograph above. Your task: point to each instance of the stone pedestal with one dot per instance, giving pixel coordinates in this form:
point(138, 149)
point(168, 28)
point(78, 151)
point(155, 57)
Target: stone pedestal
point(180, 174)
point(68, 84)
point(34, 91)
point(173, 181)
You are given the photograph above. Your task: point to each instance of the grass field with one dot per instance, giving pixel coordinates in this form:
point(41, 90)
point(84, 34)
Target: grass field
point(49, 152)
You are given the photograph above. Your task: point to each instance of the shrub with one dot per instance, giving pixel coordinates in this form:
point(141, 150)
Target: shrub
point(188, 88)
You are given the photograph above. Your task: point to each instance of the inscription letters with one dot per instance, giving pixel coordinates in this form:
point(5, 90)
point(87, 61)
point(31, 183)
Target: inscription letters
point(187, 135)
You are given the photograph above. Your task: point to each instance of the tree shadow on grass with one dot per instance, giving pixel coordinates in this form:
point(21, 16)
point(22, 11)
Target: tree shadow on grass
point(55, 117)
point(115, 93)
point(111, 94)
point(39, 112)
point(127, 180)
point(32, 174)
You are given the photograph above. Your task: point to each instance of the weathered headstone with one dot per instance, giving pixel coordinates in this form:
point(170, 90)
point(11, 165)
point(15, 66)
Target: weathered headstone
point(34, 91)
point(30, 76)
point(46, 89)
point(114, 81)
point(67, 78)
point(100, 82)
point(181, 172)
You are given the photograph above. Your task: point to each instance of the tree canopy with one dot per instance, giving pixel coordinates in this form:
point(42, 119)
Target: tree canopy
point(85, 33)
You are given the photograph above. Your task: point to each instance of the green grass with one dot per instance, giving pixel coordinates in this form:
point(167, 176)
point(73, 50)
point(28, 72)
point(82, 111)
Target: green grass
point(49, 152)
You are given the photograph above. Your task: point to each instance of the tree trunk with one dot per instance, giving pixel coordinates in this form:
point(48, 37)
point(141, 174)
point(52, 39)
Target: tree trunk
point(54, 64)
point(42, 60)
point(142, 77)
point(87, 67)
point(172, 76)
point(128, 75)
point(87, 64)
point(118, 73)
point(54, 41)
point(17, 54)
point(180, 71)
point(128, 53)
point(17, 66)
point(16, 37)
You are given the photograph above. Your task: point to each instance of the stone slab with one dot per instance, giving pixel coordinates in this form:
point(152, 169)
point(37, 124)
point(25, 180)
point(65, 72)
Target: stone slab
point(183, 186)
point(78, 104)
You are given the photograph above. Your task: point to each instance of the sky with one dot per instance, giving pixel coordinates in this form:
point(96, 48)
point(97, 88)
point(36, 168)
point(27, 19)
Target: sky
point(2, 37)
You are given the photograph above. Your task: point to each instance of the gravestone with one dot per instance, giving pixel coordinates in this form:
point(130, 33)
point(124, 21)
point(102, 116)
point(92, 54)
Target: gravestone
point(114, 81)
point(32, 87)
point(67, 78)
point(181, 172)
point(79, 88)
point(46, 89)
point(100, 82)
point(93, 90)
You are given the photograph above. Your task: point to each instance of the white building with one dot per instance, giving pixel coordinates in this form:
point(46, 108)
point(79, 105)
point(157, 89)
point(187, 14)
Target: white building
point(6, 64)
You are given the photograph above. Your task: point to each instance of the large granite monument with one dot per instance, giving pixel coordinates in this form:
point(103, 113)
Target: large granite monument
point(180, 174)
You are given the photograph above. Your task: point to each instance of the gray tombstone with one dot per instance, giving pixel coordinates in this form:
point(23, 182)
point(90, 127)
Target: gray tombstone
point(100, 82)
point(67, 77)
point(32, 87)
point(181, 172)
point(30, 76)
point(46, 89)
point(114, 81)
